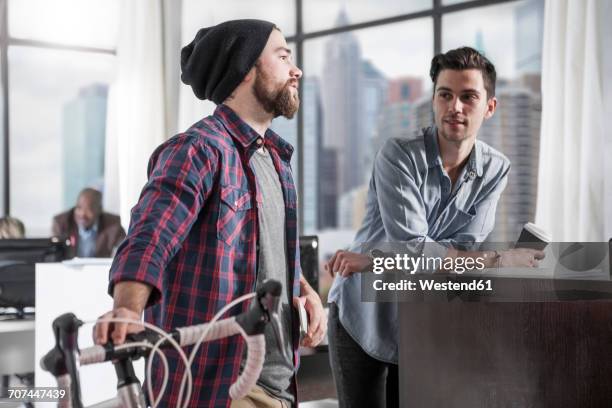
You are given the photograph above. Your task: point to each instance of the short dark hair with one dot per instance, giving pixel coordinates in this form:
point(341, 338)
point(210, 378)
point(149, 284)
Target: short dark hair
point(94, 195)
point(465, 58)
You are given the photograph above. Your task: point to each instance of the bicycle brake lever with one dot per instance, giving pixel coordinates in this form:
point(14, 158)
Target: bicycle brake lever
point(147, 336)
point(66, 331)
point(269, 296)
point(278, 333)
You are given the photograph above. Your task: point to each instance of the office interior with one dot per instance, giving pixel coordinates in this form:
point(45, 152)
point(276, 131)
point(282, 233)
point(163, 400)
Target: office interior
point(89, 88)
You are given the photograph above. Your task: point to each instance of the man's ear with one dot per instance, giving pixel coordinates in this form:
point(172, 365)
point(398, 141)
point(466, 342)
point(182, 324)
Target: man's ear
point(491, 106)
point(250, 76)
point(433, 105)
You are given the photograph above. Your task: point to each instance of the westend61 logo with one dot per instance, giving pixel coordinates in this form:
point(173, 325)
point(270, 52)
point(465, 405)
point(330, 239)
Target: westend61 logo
point(422, 263)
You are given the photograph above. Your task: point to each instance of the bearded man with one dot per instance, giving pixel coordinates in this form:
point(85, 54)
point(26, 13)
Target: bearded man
point(218, 215)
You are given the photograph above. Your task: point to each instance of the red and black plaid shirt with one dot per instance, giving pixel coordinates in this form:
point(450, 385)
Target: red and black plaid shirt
point(193, 238)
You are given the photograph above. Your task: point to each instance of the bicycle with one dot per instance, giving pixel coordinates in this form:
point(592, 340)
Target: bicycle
point(64, 359)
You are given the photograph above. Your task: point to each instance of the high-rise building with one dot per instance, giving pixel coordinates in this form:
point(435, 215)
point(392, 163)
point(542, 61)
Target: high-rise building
point(396, 117)
point(515, 127)
point(374, 98)
point(422, 113)
point(515, 131)
point(328, 189)
point(479, 43)
point(313, 135)
point(352, 208)
point(342, 103)
point(529, 35)
point(83, 141)
point(404, 89)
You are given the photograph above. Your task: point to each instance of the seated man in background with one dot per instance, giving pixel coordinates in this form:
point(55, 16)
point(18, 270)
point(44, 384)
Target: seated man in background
point(92, 232)
point(11, 227)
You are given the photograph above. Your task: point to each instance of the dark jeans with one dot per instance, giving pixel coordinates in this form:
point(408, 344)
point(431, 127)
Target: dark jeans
point(361, 380)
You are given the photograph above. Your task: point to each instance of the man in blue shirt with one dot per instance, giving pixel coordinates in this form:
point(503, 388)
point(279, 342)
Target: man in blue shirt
point(440, 189)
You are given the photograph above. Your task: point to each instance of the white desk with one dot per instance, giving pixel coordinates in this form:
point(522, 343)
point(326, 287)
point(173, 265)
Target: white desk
point(79, 288)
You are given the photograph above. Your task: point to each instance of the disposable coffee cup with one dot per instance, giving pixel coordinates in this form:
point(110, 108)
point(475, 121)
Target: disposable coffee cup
point(533, 237)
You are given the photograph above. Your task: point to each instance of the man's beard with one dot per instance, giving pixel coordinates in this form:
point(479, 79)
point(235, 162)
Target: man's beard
point(279, 102)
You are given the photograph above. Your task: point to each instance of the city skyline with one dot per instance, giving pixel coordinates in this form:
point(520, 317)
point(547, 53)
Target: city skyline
point(83, 141)
point(389, 53)
point(406, 107)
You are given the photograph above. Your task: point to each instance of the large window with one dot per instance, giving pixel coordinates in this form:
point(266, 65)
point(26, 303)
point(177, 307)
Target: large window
point(60, 62)
point(359, 88)
point(323, 14)
point(365, 79)
point(198, 14)
point(57, 130)
point(90, 23)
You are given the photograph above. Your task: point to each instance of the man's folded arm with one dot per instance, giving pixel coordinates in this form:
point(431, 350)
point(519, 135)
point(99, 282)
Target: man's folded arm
point(403, 210)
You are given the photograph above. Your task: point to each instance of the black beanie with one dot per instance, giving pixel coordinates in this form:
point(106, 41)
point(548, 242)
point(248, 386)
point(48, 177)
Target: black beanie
point(219, 57)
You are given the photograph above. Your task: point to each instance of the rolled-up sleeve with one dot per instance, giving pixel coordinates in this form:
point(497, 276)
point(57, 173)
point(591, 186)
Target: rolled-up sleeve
point(181, 176)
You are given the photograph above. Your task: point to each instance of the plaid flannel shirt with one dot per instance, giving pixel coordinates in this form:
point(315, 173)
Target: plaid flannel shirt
point(193, 239)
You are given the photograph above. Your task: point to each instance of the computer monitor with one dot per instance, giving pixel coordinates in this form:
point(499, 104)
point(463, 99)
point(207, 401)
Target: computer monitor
point(33, 250)
point(309, 259)
point(17, 284)
point(18, 258)
point(610, 258)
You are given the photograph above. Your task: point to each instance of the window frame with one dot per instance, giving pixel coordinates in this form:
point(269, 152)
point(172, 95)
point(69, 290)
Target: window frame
point(6, 41)
point(436, 12)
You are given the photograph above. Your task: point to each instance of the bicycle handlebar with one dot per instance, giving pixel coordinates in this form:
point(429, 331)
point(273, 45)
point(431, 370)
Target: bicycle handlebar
point(62, 360)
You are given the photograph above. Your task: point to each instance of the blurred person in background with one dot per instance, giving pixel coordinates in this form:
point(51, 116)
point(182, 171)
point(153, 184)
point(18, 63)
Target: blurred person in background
point(11, 227)
point(91, 231)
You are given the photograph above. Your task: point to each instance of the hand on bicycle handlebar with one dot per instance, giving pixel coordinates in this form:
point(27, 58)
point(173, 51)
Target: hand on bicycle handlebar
point(117, 331)
point(64, 359)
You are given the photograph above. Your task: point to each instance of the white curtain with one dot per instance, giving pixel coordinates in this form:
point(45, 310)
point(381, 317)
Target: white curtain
point(606, 35)
point(571, 183)
point(136, 116)
point(196, 14)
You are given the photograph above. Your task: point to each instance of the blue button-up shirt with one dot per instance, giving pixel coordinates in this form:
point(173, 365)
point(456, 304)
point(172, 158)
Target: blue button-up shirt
point(86, 246)
point(412, 199)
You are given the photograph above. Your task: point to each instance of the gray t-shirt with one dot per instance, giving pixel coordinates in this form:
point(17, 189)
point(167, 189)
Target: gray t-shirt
point(272, 264)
